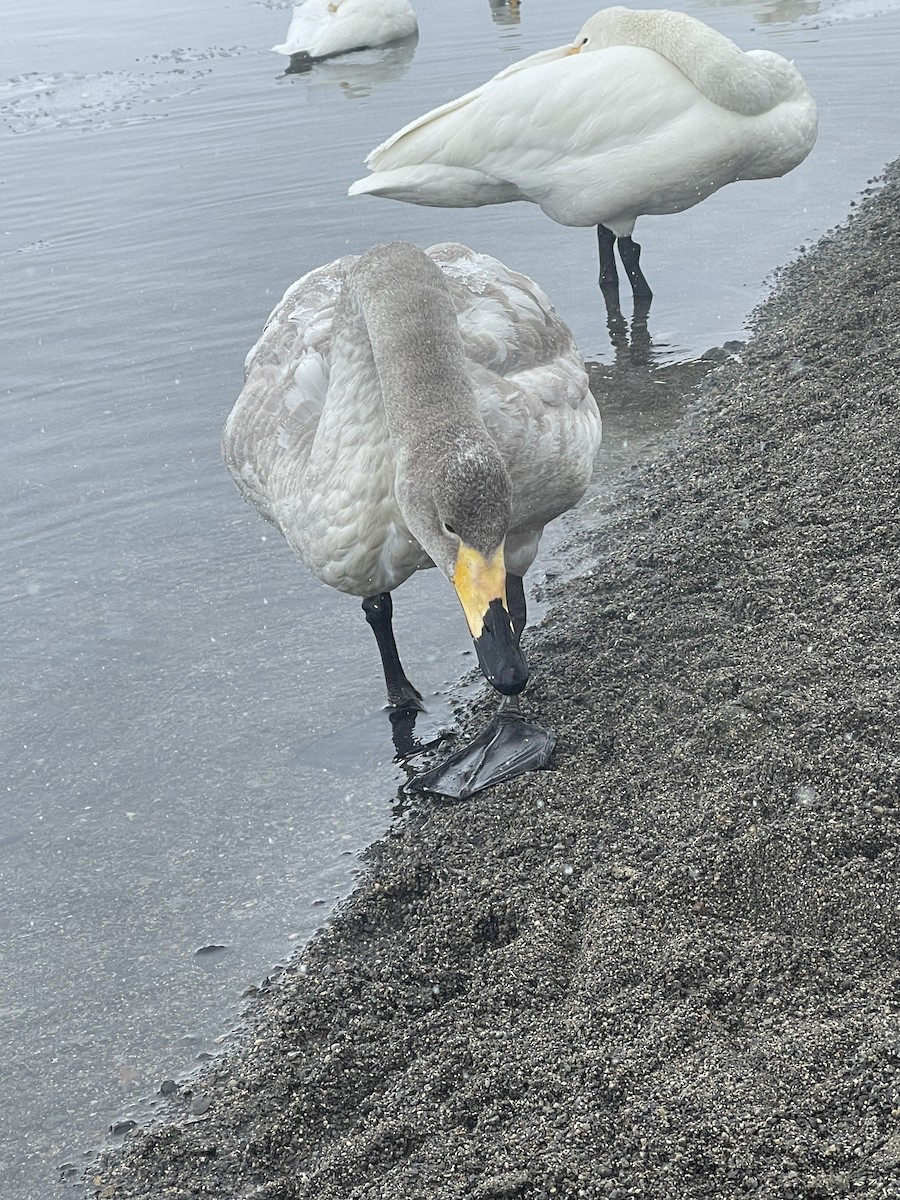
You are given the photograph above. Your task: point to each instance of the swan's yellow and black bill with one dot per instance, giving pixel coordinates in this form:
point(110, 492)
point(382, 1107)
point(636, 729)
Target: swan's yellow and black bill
point(481, 586)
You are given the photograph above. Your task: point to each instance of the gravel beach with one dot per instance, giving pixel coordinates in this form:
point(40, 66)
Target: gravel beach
point(669, 966)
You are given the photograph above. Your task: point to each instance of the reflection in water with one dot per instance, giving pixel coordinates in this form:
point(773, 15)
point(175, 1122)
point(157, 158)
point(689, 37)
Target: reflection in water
point(403, 734)
point(787, 10)
point(506, 12)
point(806, 12)
point(641, 404)
point(634, 346)
point(358, 75)
point(774, 12)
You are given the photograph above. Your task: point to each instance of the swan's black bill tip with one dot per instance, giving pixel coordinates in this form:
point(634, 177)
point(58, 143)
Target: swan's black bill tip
point(502, 662)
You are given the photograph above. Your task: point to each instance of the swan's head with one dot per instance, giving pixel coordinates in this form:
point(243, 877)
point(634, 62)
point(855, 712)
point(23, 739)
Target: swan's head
point(458, 509)
point(601, 30)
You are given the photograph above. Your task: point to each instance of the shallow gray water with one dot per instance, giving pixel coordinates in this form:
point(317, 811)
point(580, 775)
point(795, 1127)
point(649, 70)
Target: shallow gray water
point(192, 746)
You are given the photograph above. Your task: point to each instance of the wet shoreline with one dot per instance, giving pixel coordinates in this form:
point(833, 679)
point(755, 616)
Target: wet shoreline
point(666, 968)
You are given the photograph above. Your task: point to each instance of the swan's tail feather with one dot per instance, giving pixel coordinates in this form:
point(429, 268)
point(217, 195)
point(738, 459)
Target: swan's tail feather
point(437, 186)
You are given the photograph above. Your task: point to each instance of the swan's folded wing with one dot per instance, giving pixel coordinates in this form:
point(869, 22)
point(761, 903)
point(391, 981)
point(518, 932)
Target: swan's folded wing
point(437, 185)
point(274, 420)
point(507, 322)
point(380, 159)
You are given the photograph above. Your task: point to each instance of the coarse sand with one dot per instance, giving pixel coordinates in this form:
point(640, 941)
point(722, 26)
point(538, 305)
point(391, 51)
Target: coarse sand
point(668, 967)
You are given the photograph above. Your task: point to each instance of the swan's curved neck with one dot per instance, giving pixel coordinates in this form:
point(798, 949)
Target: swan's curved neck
point(396, 337)
point(742, 83)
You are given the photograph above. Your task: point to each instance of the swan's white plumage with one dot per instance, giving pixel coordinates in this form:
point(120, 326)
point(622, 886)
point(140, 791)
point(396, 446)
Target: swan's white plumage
point(645, 112)
point(320, 463)
point(320, 28)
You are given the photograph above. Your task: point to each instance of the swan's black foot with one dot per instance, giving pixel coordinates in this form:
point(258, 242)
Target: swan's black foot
point(300, 63)
point(405, 698)
point(510, 746)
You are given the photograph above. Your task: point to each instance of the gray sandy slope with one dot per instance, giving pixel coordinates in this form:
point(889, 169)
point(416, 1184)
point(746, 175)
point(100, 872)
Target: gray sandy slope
point(668, 967)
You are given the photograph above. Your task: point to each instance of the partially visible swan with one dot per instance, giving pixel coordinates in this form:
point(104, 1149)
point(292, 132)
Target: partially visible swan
point(408, 409)
point(645, 112)
point(322, 28)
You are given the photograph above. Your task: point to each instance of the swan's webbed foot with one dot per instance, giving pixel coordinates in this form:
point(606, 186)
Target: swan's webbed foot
point(405, 698)
point(300, 63)
point(508, 747)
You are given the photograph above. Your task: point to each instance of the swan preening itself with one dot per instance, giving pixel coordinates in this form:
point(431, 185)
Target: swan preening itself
point(322, 28)
point(407, 409)
point(645, 112)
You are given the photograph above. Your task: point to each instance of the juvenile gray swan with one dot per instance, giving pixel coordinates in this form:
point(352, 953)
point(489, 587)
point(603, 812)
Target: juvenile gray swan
point(644, 112)
point(407, 409)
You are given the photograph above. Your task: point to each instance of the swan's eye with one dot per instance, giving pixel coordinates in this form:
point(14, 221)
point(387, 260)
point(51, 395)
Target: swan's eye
point(584, 41)
point(449, 529)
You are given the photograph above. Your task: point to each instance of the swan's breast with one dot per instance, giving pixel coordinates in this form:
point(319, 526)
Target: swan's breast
point(350, 538)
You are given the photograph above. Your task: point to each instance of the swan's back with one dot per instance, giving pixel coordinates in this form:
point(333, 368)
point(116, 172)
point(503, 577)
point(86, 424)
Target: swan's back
point(506, 320)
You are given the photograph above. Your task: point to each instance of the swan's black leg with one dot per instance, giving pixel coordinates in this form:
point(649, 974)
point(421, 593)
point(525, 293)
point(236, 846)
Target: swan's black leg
point(630, 253)
point(379, 611)
point(518, 612)
point(515, 603)
point(609, 276)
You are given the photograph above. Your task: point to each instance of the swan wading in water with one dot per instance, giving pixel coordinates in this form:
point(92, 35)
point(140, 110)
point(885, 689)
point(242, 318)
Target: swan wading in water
point(407, 409)
point(322, 28)
point(645, 112)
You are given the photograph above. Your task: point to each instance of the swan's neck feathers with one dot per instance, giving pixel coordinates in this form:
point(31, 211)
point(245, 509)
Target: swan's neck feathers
point(412, 334)
point(348, 526)
point(353, 414)
point(748, 84)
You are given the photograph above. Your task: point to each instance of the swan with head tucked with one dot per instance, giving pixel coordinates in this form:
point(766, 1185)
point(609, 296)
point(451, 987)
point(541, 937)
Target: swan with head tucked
point(407, 409)
point(322, 28)
point(646, 112)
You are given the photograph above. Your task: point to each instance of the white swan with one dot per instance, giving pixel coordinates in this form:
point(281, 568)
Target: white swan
point(645, 112)
point(409, 409)
point(321, 28)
